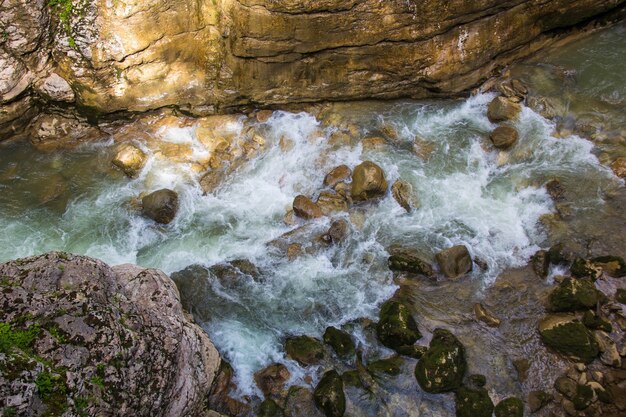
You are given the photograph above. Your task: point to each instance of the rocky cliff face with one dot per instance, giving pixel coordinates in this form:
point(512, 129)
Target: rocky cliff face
point(78, 337)
point(206, 56)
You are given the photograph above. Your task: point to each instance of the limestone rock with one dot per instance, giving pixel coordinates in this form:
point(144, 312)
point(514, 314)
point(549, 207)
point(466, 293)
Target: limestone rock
point(502, 109)
point(337, 175)
point(368, 182)
point(161, 205)
point(568, 336)
point(303, 207)
point(443, 366)
point(130, 159)
point(89, 328)
point(454, 262)
point(329, 395)
point(396, 326)
point(56, 88)
point(503, 137)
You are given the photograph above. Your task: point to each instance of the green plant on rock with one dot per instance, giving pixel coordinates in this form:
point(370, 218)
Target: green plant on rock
point(17, 339)
point(64, 10)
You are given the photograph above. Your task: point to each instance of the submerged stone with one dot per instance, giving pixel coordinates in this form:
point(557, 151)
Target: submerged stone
point(306, 350)
point(329, 395)
point(510, 407)
point(368, 182)
point(340, 341)
point(269, 408)
point(389, 366)
point(443, 366)
point(486, 316)
point(574, 294)
point(161, 205)
point(396, 326)
point(537, 400)
point(473, 403)
point(454, 262)
point(568, 336)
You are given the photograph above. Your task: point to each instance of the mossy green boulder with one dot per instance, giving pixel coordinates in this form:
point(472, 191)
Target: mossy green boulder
point(396, 326)
point(583, 268)
point(340, 341)
point(574, 294)
point(389, 366)
point(305, 350)
point(443, 366)
point(269, 408)
point(329, 396)
point(511, 407)
point(473, 403)
point(612, 265)
point(568, 336)
point(595, 322)
point(583, 397)
point(409, 260)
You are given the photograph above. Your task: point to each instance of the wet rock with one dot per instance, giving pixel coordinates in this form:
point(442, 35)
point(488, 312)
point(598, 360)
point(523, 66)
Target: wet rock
point(503, 137)
point(84, 327)
point(271, 380)
point(510, 407)
point(130, 160)
point(619, 167)
point(340, 341)
point(473, 403)
point(568, 336)
point(620, 295)
point(389, 366)
point(368, 182)
point(233, 272)
point(329, 395)
point(540, 263)
point(305, 208)
point(269, 408)
point(609, 354)
point(331, 202)
point(582, 268)
point(402, 192)
point(442, 367)
point(614, 266)
point(454, 262)
point(412, 351)
point(559, 254)
point(583, 397)
point(522, 367)
point(220, 396)
point(594, 322)
point(300, 403)
point(305, 350)
point(338, 231)
point(55, 88)
point(336, 175)
point(373, 143)
point(262, 116)
point(486, 316)
point(574, 294)
point(537, 400)
point(396, 326)
point(565, 386)
point(161, 205)
point(409, 260)
point(556, 190)
point(502, 109)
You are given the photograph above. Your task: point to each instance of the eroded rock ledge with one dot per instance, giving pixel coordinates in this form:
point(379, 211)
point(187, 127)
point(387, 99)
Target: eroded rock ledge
point(95, 57)
point(81, 338)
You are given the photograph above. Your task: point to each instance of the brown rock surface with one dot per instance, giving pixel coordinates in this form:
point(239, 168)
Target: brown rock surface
point(503, 137)
point(305, 208)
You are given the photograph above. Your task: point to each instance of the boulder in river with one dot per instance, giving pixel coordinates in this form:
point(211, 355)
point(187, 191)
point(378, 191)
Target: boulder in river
point(161, 205)
point(443, 366)
point(330, 202)
point(502, 109)
point(305, 350)
point(305, 208)
point(503, 137)
point(614, 266)
point(409, 260)
point(396, 326)
point(540, 263)
point(269, 408)
point(340, 341)
point(402, 192)
point(368, 182)
point(329, 395)
point(574, 294)
point(337, 175)
point(454, 262)
point(74, 328)
point(568, 336)
point(584, 268)
point(271, 380)
point(473, 403)
point(130, 159)
point(510, 407)
point(619, 167)
point(300, 402)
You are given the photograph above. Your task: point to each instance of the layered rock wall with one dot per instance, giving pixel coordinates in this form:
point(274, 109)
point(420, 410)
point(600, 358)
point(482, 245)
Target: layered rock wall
point(96, 57)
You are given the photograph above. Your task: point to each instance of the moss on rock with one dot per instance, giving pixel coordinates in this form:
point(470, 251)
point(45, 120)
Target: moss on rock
point(269, 408)
point(329, 395)
point(340, 341)
point(473, 403)
point(443, 366)
point(396, 326)
point(389, 366)
point(511, 407)
point(568, 336)
point(574, 294)
point(306, 350)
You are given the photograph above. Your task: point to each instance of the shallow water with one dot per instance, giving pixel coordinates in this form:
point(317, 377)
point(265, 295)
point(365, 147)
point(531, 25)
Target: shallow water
point(469, 194)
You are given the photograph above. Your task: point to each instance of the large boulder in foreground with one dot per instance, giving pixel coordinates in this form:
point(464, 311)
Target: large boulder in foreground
point(87, 339)
point(574, 294)
point(443, 366)
point(568, 336)
point(161, 205)
point(368, 182)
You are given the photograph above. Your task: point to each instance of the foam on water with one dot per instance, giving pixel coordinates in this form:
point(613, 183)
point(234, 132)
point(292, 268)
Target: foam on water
point(466, 198)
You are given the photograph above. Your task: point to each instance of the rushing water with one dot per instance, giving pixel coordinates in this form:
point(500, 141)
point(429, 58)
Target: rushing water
point(469, 194)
